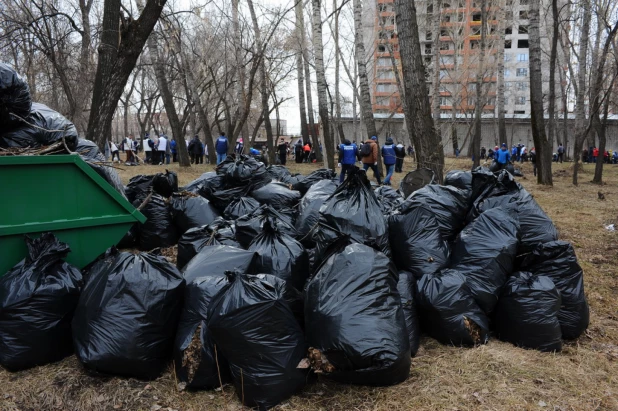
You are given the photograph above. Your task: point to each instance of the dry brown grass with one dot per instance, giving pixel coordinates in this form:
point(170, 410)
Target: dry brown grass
point(496, 376)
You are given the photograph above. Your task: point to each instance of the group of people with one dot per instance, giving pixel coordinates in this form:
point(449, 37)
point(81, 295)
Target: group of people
point(303, 153)
point(392, 155)
point(591, 155)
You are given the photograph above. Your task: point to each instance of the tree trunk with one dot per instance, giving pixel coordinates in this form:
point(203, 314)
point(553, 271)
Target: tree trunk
point(264, 87)
point(542, 145)
point(168, 101)
point(116, 62)
point(553, 55)
point(580, 100)
point(500, 97)
point(475, 147)
point(437, 4)
point(429, 150)
point(337, 59)
point(365, 99)
point(304, 131)
point(318, 48)
point(601, 128)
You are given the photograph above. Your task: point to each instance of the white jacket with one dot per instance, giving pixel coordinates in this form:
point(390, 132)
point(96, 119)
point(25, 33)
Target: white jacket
point(162, 144)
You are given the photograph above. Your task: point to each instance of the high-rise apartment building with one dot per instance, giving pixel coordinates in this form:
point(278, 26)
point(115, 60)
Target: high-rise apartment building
point(457, 37)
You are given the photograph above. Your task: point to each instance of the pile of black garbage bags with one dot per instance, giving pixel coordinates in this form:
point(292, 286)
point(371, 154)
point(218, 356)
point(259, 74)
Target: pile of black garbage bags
point(25, 124)
point(282, 277)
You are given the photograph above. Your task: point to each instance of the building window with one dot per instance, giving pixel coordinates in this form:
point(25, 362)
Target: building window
point(508, 85)
point(522, 72)
point(520, 101)
point(475, 44)
point(509, 2)
point(507, 44)
point(384, 62)
point(506, 101)
point(470, 101)
point(447, 59)
point(386, 75)
point(428, 48)
point(519, 112)
point(508, 30)
point(507, 73)
point(471, 87)
point(476, 31)
point(461, 4)
point(443, 74)
point(523, 14)
point(460, 17)
point(476, 17)
point(385, 88)
point(383, 101)
point(523, 29)
point(509, 16)
point(521, 85)
point(446, 5)
point(444, 32)
point(522, 57)
point(428, 35)
point(445, 45)
point(429, 8)
point(522, 44)
point(523, 2)
point(428, 61)
point(445, 101)
point(507, 57)
point(381, 49)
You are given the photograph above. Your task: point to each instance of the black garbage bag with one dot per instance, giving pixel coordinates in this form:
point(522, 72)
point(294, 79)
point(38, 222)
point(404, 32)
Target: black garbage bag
point(242, 170)
point(295, 179)
point(277, 195)
point(527, 313)
point(127, 315)
point(557, 260)
point(449, 205)
point(415, 180)
point(209, 186)
point(89, 151)
point(249, 226)
point(279, 173)
point(280, 255)
point(215, 260)
point(191, 211)
point(254, 328)
point(165, 184)
point(197, 364)
point(503, 191)
point(219, 232)
point(482, 179)
point(37, 301)
point(14, 97)
point(195, 185)
point(388, 198)
point(354, 210)
point(448, 312)
point(485, 254)
point(139, 186)
point(354, 320)
point(130, 239)
point(159, 230)
point(407, 291)
point(494, 167)
point(310, 208)
point(47, 127)
point(240, 207)
point(221, 199)
point(305, 184)
point(416, 243)
point(459, 179)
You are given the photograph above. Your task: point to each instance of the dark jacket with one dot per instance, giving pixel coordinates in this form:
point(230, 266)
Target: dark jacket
point(388, 153)
point(221, 145)
point(348, 153)
point(195, 146)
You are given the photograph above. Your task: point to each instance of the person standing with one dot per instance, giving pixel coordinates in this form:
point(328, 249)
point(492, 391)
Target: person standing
point(282, 149)
point(533, 160)
point(524, 154)
point(162, 147)
point(348, 154)
point(595, 154)
point(221, 147)
point(239, 146)
point(503, 157)
point(306, 152)
point(560, 152)
point(298, 151)
point(194, 149)
point(400, 152)
point(200, 157)
point(390, 158)
point(168, 152)
point(483, 153)
point(128, 149)
point(114, 149)
point(174, 147)
point(369, 156)
point(148, 148)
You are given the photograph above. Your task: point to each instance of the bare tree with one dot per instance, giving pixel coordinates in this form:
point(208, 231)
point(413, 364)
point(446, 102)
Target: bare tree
point(300, 34)
point(479, 101)
point(541, 143)
point(428, 145)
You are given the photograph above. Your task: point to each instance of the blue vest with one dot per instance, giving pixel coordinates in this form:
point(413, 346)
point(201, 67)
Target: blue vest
point(349, 153)
point(388, 153)
point(221, 145)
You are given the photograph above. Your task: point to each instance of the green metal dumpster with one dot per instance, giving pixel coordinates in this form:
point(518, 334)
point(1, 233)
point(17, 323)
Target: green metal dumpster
point(64, 195)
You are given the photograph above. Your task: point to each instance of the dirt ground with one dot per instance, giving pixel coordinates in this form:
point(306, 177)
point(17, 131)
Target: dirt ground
point(496, 376)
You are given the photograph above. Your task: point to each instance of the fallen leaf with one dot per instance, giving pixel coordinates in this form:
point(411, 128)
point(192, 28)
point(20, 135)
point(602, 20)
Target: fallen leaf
point(542, 404)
